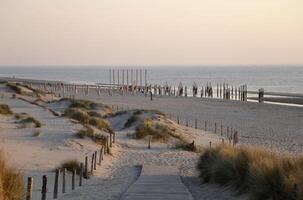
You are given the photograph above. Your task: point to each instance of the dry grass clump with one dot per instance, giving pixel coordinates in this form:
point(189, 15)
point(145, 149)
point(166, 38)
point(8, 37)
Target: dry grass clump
point(90, 133)
point(77, 114)
point(89, 105)
point(5, 110)
point(157, 130)
point(11, 182)
point(70, 165)
point(101, 124)
point(262, 174)
point(14, 87)
point(29, 120)
point(187, 146)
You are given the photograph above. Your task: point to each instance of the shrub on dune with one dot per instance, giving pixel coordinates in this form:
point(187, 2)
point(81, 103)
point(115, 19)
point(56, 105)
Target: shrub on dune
point(158, 131)
point(77, 114)
point(100, 124)
point(5, 110)
point(263, 174)
point(31, 120)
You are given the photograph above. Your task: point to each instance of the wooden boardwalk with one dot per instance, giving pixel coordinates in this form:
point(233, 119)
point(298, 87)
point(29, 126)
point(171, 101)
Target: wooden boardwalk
point(157, 183)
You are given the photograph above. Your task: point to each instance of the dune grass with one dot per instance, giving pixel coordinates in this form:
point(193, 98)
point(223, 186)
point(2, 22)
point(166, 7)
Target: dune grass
point(31, 120)
point(77, 114)
point(100, 123)
point(262, 174)
point(90, 133)
point(70, 165)
point(11, 182)
point(160, 132)
point(14, 87)
point(5, 110)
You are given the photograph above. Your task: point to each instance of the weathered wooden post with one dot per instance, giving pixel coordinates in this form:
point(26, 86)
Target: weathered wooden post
point(92, 164)
point(222, 140)
point(151, 95)
point(221, 129)
point(86, 168)
point(210, 144)
point(149, 141)
point(44, 187)
point(178, 120)
point(215, 128)
point(29, 188)
point(110, 140)
point(114, 137)
point(196, 126)
point(73, 179)
point(63, 180)
point(261, 95)
point(56, 184)
point(217, 90)
point(107, 145)
point(100, 156)
point(81, 174)
point(95, 161)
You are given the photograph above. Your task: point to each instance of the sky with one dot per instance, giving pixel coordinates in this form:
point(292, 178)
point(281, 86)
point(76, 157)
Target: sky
point(150, 32)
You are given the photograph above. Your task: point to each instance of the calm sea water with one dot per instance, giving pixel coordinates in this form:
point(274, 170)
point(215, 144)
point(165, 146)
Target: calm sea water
point(271, 78)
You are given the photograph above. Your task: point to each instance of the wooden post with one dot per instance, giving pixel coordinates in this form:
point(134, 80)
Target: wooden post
point(92, 164)
point(95, 161)
point(151, 95)
point(56, 184)
point(110, 140)
point(63, 180)
point(196, 124)
point(86, 168)
point(221, 129)
point(100, 157)
point(222, 141)
point(29, 188)
point(81, 174)
point(44, 187)
point(210, 144)
point(178, 120)
point(114, 137)
point(107, 145)
point(187, 123)
point(73, 179)
point(215, 128)
point(149, 142)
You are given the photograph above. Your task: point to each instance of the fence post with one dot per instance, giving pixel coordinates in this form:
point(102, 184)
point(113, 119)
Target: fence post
point(261, 95)
point(73, 179)
point(92, 164)
point(63, 180)
point(86, 168)
point(196, 124)
point(178, 120)
point(56, 183)
point(95, 162)
point(100, 156)
point(114, 137)
point(107, 146)
point(81, 174)
point(44, 187)
point(29, 188)
point(210, 144)
point(221, 129)
point(187, 123)
point(110, 140)
point(215, 128)
point(149, 142)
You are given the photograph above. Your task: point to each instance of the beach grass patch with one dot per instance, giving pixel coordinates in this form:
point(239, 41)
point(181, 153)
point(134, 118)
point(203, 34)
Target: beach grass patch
point(11, 181)
point(262, 174)
point(77, 114)
point(5, 110)
point(70, 165)
point(32, 120)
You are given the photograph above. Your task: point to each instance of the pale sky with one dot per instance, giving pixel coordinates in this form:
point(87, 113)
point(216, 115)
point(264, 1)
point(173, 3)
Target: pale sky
point(151, 32)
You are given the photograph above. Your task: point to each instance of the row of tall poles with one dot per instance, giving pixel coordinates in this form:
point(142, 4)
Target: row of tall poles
point(128, 77)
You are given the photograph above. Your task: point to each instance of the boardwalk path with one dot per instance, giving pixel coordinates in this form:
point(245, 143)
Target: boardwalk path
point(157, 183)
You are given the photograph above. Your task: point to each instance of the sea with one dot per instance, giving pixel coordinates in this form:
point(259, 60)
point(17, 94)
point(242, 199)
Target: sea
point(271, 78)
